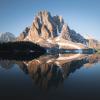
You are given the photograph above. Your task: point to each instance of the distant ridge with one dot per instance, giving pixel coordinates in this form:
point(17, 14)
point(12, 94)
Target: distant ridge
point(6, 37)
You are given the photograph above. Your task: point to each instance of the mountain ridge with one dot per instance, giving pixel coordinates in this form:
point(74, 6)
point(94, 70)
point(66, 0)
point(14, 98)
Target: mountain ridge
point(7, 36)
point(51, 31)
point(46, 28)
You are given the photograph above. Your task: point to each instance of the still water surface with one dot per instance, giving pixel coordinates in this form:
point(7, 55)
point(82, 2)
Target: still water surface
point(49, 77)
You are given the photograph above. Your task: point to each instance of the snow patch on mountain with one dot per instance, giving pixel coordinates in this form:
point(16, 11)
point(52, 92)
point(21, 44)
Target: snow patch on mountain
point(6, 37)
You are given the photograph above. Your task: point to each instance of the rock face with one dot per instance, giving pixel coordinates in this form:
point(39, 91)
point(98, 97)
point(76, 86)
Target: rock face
point(76, 37)
point(92, 43)
point(23, 34)
point(65, 32)
point(6, 37)
point(46, 27)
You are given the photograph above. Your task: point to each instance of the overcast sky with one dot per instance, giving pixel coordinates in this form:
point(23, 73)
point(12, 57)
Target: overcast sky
point(81, 15)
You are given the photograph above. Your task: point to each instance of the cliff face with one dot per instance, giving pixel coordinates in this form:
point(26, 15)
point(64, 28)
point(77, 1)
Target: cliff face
point(46, 27)
point(92, 43)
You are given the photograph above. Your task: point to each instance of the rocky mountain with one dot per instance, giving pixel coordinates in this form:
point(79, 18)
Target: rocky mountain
point(47, 29)
point(23, 34)
point(92, 42)
point(6, 37)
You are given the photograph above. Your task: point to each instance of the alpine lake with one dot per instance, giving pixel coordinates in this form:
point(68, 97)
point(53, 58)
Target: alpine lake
point(50, 77)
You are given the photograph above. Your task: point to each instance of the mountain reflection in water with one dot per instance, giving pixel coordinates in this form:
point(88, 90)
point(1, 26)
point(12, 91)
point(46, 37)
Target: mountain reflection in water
point(48, 72)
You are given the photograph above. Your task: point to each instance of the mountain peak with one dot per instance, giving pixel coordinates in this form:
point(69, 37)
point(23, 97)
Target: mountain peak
point(6, 37)
point(47, 27)
point(44, 12)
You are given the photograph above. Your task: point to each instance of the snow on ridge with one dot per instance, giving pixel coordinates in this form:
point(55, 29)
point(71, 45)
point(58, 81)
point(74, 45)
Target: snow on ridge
point(6, 37)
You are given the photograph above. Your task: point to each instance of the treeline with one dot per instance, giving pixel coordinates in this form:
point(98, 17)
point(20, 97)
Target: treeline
point(21, 46)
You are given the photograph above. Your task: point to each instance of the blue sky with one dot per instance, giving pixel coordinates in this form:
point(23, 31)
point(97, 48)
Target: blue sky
point(81, 15)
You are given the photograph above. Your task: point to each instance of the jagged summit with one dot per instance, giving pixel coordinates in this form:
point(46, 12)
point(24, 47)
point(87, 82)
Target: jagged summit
point(46, 28)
